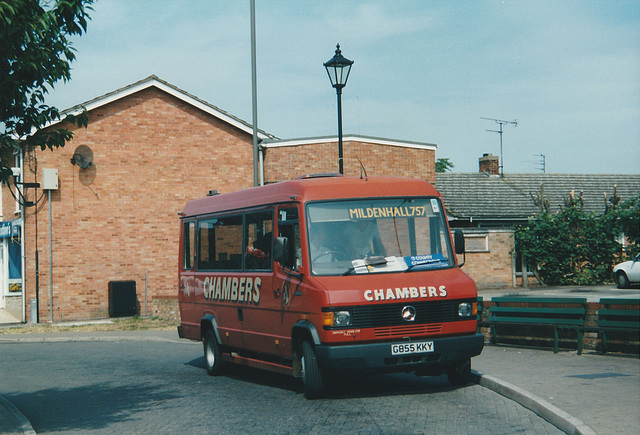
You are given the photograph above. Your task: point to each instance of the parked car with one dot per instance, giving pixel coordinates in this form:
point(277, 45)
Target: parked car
point(627, 273)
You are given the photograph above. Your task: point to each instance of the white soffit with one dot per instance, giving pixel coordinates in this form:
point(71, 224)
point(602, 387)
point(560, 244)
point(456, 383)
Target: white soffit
point(350, 138)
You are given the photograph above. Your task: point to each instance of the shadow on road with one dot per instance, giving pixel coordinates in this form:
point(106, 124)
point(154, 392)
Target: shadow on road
point(341, 386)
point(89, 407)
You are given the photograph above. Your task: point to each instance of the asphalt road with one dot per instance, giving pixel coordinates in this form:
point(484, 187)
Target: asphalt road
point(123, 386)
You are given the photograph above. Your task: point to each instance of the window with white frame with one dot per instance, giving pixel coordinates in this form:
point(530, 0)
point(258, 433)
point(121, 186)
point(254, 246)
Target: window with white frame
point(476, 242)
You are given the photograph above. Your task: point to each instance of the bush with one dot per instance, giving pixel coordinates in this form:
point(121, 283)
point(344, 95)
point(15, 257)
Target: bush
point(576, 248)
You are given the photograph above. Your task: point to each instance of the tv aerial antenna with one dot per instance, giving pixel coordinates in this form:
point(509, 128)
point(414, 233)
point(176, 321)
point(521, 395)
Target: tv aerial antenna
point(542, 164)
point(501, 123)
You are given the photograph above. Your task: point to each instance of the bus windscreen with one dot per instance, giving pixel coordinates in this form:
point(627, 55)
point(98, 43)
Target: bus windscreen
point(377, 236)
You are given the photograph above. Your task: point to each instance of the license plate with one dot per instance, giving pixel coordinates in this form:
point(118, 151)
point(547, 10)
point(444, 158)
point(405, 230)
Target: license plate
point(409, 348)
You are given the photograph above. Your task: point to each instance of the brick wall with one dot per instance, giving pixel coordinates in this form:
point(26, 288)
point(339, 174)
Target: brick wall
point(492, 268)
point(166, 308)
point(287, 162)
point(119, 218)
point(8, 202)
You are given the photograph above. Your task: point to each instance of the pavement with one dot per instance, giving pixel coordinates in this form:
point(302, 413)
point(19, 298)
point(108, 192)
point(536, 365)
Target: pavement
point(6, 317)
point(580, 394)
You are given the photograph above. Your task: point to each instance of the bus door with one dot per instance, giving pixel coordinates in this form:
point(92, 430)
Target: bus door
point(219, 265)
point(187, 282)
point(255, 306)
point(287, 283)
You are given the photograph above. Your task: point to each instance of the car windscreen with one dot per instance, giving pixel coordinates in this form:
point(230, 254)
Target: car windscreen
point(377, 236)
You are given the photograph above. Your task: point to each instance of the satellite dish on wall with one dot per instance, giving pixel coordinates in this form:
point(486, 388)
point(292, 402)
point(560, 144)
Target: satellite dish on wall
point(82, 157)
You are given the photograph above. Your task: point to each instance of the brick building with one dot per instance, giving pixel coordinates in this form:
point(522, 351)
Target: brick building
point(487, 207)
point(152, 147)
point(286, 159)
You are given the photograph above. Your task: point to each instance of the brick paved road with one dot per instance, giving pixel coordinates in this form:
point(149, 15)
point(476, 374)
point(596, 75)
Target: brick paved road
point(162, 387)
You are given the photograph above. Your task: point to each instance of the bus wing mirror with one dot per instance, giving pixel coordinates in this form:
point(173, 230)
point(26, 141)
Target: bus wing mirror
point(458, 241)
point(281, 250)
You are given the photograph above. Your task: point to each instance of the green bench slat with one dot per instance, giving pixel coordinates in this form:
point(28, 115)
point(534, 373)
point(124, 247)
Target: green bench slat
point(618, 313)
point(619, 301)
point(538, 310)
point(534, 320)
point(619, 324)
point(528, 300)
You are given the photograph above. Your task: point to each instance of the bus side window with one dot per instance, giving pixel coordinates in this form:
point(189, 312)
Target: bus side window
point(259, 240)
point(220, 243)
point(189, 241)
point(289, 227)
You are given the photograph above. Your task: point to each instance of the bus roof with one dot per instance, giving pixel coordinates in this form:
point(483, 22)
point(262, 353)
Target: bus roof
point(311, 188)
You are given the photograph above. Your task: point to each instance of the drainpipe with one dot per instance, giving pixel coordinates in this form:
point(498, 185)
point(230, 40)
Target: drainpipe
point(261, 156)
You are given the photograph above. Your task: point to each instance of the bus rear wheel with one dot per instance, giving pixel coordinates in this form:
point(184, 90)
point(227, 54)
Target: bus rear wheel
point(311, 374)
point(212, 355)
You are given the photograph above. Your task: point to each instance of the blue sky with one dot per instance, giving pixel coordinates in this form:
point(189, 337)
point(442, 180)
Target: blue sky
point(427, 71)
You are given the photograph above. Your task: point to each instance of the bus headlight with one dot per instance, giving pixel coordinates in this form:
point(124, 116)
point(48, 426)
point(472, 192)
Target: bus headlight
point(341, 318)
point(465, 309)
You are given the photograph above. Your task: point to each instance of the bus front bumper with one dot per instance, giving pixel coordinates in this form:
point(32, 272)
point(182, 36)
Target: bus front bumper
point(396, 356)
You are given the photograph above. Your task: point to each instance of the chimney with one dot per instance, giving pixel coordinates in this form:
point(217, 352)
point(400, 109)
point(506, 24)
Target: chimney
point(490, 164)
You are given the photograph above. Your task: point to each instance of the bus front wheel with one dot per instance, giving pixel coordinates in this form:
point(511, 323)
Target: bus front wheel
point(311, 375)
point(212, 355)
point(460, 373)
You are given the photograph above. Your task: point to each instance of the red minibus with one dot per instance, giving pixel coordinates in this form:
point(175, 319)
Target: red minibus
point(327, 273)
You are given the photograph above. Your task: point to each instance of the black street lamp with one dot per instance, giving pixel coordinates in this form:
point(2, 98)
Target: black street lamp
point(338, 68)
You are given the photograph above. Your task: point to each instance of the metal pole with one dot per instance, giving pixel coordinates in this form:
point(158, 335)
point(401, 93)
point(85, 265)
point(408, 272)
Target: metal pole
point(501, 159)
point(146, 277)
point(37, 318)
point(254, 93)
point(50, 261)
point(340, 165)
point(23, 255)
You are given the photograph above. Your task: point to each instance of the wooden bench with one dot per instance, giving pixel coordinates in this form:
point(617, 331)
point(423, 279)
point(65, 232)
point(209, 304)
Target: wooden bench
point(619, 315)
point(556, 313)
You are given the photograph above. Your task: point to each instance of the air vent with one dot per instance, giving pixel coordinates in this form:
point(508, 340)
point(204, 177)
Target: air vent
point(320, 175)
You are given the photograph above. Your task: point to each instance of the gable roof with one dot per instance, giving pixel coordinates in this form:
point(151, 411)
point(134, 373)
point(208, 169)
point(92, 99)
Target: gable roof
point(153, 81)
point(480, 196)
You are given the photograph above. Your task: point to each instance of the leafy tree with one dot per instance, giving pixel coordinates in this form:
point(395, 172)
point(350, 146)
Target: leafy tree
point(573, 247)
point(35, 53)
point(444, 165)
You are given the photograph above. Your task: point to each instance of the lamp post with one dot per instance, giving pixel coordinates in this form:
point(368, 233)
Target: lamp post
point(338, 68)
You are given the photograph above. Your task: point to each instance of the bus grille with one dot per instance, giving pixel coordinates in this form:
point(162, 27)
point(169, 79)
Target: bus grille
point(387, 318)
point(401, 331)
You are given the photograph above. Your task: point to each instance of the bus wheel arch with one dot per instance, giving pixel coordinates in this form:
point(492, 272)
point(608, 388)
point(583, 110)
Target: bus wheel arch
point(305, 338)
point(209, 323)
point(302, 331)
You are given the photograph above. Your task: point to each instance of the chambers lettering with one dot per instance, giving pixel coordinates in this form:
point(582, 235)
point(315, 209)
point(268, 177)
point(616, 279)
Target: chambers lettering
point(398, 293)
point(233, 289)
